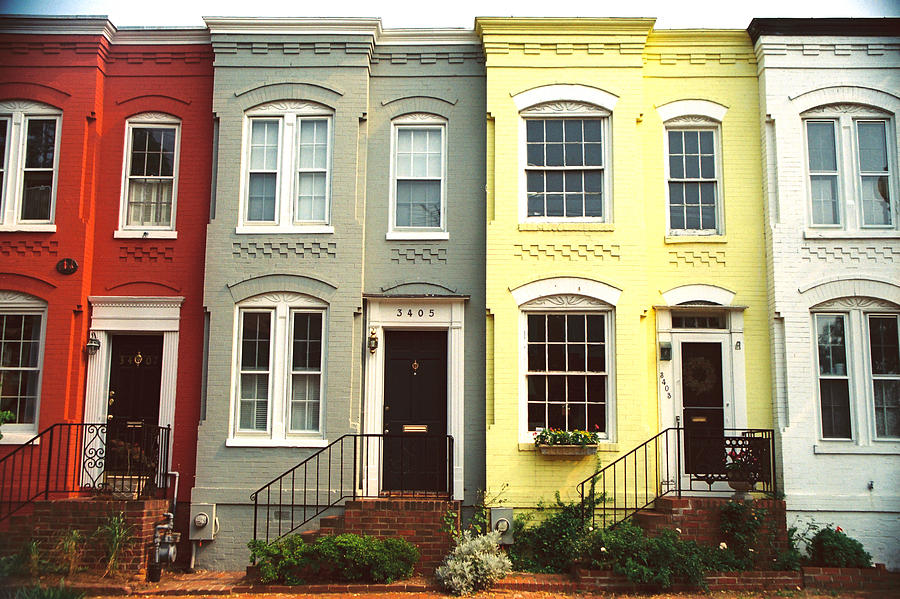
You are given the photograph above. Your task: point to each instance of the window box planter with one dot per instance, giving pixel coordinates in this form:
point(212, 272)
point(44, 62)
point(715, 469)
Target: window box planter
point(574, 450)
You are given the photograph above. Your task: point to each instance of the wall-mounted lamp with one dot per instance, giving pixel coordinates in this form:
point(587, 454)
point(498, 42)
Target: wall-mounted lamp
point(373, 341)
point(665, 351)
point(93, 345)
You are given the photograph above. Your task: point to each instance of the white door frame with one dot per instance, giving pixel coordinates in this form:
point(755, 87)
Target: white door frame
point(426, 313)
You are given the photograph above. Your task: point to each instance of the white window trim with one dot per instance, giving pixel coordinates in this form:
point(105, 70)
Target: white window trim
point(12, 302)
point(289, 113)
point(148, 120)
point(563, 109)
point(282, 305)
point(394, 232)
point(17, 113)
point(856, 312)
point(845, 117)
point(696, 123)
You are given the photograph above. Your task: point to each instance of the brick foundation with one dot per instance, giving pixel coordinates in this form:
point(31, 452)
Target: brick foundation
point(419, 521)
point(49, 519)
point(877, 578)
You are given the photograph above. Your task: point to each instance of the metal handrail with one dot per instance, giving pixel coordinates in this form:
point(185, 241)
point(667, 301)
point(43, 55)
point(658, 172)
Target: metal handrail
point(335, 473)
point(75, 458)
point(657, 467)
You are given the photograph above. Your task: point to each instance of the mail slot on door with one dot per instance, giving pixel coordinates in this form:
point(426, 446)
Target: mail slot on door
point(415, 428)
point(698, 418)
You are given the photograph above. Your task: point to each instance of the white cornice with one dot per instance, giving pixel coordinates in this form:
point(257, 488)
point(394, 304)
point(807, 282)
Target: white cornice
point(418, 37)
point(100, 25)
point(293, 25)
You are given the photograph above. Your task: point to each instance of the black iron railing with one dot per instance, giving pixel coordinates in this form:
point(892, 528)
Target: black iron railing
point(129, 458)
point(353, 466)
point(676, 461)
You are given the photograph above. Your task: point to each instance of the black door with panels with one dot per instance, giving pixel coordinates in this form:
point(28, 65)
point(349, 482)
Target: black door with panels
point(415, 411)
point(703, 410)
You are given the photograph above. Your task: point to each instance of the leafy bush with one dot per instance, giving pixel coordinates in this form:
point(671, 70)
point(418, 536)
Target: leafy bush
point(830, 547)
point(41, 592)
point(475, 563)
point(552, 436)
point(345, 557)
point(551, 545)
point(740, 523)
point(658, 561)
point(116, 534)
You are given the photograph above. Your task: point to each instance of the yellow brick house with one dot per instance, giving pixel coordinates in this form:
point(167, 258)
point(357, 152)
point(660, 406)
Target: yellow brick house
point(626, 281)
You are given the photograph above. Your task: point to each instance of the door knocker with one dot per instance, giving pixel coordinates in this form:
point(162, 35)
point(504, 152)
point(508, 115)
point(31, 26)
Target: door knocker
point(415, 367)
point(138, 358)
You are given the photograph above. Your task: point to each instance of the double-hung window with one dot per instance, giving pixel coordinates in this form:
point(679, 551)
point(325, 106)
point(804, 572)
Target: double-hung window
point(279, 368)
point(287, 184)
point(566, 162)
point(150, 181)
point(29, 159)
point(851, 165)
point(693, 180)
point(567, 373)
point(22, 324)
point(858, 371)
point(418, 187)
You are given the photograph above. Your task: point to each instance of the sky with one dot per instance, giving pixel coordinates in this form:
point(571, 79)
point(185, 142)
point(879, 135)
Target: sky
point(671, 14)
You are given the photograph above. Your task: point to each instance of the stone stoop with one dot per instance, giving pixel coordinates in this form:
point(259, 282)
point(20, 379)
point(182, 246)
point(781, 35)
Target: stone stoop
point(698, 518)
point(417, 520)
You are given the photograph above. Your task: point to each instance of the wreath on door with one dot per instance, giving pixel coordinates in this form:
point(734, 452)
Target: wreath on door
point(699, 375)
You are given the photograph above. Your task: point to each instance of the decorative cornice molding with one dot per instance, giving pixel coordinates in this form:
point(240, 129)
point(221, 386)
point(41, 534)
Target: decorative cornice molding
point(27, 106)
point(849, 303)
point(565, 301)
point(154, 117)
point(101, 26)
point(20, 300)
point(845, 108)
point(284, 297)
point(564, 107)
point(292, 25)
point(298, 106)
point(847, 46)
point(692, 120)
point(486, 26)
point(130, 301)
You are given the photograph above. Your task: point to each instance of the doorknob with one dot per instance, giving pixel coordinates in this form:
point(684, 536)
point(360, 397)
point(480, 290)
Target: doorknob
point(387, 430)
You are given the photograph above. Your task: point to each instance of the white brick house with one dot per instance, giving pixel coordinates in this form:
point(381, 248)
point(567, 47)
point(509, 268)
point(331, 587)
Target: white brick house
point(830, 101)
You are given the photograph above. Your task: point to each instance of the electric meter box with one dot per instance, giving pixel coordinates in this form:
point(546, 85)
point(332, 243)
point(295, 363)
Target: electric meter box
point(502, 522)
point(203, 522)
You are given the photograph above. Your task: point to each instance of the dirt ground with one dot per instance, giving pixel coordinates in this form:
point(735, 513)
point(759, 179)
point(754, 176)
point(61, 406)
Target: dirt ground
point(555, 595)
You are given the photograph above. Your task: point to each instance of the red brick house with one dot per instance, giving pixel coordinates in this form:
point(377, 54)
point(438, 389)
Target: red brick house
point(106, 145)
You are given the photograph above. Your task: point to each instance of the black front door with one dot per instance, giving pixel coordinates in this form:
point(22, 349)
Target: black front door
point(135, 374)
point(702, 406)
point(415, 411)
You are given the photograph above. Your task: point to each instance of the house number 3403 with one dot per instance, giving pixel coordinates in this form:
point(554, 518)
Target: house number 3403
point(410, 313)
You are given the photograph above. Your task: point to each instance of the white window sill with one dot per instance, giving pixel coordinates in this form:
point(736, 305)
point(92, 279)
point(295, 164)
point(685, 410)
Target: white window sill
point(566, 226)
point(18, 438)
point(146, 234)
point(696, 239)
point(417, 235)
point(279, 230)
point(22, 228)
point(267, 442)
point(882, 447)
point(859, 234)
point(601, 446)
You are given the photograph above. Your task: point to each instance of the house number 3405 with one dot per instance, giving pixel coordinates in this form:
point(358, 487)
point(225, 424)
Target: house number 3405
point(410, 313)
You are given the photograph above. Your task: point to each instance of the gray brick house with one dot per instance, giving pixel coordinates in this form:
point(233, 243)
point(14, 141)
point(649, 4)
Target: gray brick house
point(344, 270)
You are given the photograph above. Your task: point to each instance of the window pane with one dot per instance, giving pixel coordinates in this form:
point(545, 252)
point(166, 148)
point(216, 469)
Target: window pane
point(255, 336)
point(37, 190)
point(876, 200)
point(887, 408)
point(872, 147)
point(534, 131)
point(305, 398)
point(884, 345)
point(536, 324)
point(824, 200)
point(835, 398)
point(264, 145)
point(262, 197)
point(40, 143)
point(676, 145)
point(556, 327)
point(307, 349)
point(149, 202)
point(3, 123)
point(820, 138)
point(418, 204)
point(832, 348)
point(706, 142)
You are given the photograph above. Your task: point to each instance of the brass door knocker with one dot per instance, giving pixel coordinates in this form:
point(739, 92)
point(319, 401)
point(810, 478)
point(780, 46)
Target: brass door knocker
point(415, 367)
point(138, 358)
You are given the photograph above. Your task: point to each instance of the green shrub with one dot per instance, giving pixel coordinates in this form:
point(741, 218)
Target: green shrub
point(41, 592)
point(553, 544)
point(345, 557)
point(830, 547)
point(740, 523)
point(116, 534)
point(657, 561)
point(475, 563)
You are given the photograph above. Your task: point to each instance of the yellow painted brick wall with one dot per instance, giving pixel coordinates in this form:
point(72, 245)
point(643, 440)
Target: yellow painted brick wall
point(644, 69)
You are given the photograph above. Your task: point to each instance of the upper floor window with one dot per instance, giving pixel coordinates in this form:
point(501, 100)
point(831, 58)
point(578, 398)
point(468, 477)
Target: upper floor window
point(566, 161)
point(150, 181)
point(858, 370)
point(418, 174)
point(287, 167)
point(22, 324)
point(693, 176)
point(29, 158)
point(280, 360)
point(851, 167)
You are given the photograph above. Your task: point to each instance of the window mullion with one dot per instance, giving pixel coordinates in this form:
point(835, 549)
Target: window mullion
point(287, 169)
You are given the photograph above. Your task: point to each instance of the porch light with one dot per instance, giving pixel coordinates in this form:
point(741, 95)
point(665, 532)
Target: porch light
point(93, 345)
point(373, 340)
